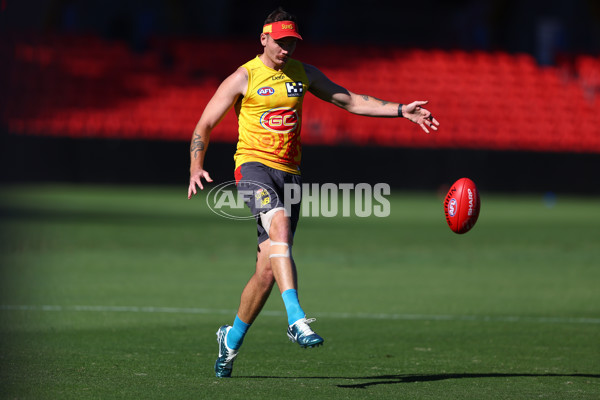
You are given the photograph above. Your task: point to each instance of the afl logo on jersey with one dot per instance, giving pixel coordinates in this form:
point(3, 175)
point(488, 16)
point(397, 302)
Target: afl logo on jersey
point(265, 91)
point(279, 120)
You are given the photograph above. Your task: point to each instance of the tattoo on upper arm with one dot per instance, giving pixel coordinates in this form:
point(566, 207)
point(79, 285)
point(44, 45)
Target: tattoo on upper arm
point(367, 98)
point(197, 145)
point(383, 102)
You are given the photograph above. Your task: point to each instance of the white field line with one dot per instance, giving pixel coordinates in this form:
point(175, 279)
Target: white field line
point(333, 315)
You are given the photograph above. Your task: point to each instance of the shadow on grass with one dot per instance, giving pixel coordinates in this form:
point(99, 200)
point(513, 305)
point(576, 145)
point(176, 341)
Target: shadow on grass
point(395, 379)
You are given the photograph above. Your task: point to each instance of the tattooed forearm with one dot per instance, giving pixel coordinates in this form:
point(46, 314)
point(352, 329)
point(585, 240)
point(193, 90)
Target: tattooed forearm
point(197, 145)
point(367, 98)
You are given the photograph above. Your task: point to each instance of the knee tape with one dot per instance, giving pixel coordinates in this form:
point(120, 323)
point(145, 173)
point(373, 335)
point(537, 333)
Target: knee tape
point(280, 249)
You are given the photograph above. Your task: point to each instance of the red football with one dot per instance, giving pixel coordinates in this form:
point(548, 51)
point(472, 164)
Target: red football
point(462, 205)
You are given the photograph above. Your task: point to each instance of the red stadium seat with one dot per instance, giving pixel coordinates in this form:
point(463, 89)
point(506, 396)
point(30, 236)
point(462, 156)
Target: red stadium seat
point(85, 86)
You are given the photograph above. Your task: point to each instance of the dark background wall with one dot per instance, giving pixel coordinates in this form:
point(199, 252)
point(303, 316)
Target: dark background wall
point(539, 27)
point(35, 159)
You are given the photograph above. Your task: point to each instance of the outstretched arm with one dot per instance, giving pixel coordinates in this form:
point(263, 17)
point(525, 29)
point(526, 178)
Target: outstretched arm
point(363, 104)
point(224, 98)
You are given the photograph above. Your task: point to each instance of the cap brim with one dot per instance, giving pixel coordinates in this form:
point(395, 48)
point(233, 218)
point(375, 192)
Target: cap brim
point(281, 35)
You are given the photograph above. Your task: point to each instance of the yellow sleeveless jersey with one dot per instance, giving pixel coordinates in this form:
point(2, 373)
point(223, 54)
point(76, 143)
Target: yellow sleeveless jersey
point(270, 116)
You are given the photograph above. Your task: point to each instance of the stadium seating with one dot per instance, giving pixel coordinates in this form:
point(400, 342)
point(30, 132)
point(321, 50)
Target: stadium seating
point(83, 86)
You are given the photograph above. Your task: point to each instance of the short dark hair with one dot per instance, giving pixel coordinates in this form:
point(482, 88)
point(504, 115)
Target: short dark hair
point(280, 15)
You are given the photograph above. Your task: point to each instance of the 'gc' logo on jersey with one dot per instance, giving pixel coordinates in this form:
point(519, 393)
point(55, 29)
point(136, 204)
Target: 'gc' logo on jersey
point(279, 120)
point(294, 89)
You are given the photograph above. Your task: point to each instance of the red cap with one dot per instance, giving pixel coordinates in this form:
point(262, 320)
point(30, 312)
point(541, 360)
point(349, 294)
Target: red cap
point(281, 29)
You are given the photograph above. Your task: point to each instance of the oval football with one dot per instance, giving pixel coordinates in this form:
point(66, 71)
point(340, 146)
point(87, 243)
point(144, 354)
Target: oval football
point(462, 205)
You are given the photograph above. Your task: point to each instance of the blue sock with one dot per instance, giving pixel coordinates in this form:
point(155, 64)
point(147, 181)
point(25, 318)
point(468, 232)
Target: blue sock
point(236, 334)
point(292, 306)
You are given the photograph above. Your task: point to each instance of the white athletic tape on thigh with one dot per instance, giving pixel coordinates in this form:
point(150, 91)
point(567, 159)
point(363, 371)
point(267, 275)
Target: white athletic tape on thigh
point(267, 217)
point(287, 251)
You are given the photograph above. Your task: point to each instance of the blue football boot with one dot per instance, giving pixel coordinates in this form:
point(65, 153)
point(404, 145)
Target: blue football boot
point(301, 333)
point(224, 363)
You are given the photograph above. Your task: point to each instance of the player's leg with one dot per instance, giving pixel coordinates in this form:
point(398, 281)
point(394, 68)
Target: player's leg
point(285, 274)
point(254, 296)
point(258, 288)
point(282, 262)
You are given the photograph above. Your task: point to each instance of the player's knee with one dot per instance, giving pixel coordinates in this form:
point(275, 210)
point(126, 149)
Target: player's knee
point(264, 273)
point(280, 250)
point(266, 279)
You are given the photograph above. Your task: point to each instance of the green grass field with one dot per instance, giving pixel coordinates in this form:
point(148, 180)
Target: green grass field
point(117, 292)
